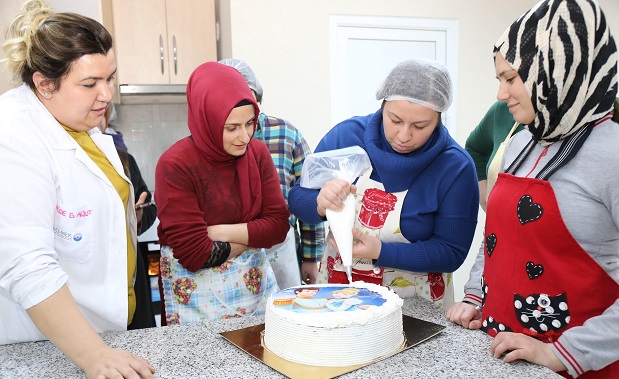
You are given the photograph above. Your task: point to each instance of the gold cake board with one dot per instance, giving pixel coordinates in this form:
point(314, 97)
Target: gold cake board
point(250, 340)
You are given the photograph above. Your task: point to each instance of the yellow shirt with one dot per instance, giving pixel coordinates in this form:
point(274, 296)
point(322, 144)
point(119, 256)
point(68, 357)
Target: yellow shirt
point(122, 187)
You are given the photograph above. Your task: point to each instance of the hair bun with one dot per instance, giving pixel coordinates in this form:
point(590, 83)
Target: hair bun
point(21, 32)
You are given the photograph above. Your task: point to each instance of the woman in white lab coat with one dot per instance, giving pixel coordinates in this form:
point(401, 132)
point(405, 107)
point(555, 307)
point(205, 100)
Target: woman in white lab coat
point(67, 218)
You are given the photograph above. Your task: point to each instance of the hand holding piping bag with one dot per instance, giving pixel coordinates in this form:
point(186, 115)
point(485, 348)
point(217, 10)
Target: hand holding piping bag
point(334, 172)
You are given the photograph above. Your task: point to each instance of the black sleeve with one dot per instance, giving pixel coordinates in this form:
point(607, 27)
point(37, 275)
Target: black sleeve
point(220, 254)
point(149, 213)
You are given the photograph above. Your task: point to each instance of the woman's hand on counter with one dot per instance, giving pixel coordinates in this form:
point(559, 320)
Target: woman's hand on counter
point(62, 322)
point(465, 314)
point(519, 346)
point(113, 363)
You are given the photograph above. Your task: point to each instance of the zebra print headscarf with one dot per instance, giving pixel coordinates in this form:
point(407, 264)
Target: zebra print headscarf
point(567, 59)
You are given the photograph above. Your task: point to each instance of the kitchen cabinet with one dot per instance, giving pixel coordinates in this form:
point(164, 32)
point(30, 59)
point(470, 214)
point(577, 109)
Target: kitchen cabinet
point(160, 41)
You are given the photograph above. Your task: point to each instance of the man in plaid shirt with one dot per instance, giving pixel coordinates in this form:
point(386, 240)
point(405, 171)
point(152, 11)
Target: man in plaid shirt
point(288, 149)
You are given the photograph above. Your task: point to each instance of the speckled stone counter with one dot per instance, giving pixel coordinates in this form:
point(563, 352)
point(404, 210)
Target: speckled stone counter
point(198, 351)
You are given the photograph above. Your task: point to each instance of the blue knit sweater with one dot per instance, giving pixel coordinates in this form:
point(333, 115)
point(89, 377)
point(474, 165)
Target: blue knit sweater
point(439, 213)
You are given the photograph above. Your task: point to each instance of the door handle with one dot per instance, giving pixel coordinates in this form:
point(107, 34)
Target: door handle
point(175, 56)
point(161, 52)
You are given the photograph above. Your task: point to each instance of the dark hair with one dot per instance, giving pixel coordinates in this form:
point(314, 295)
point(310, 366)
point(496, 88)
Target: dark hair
point(304, 288)
point(382, 107)
point(40, 39)
point(243, 102)
point(258, 96)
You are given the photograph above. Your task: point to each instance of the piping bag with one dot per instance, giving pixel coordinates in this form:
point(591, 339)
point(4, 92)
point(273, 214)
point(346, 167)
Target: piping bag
point(348, 164)
point(341, 223)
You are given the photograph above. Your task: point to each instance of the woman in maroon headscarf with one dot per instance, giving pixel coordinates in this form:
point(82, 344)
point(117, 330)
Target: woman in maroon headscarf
point(219, 205)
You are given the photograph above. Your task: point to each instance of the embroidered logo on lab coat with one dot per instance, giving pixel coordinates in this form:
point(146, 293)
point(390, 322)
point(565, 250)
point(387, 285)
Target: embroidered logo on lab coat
point(68, 236)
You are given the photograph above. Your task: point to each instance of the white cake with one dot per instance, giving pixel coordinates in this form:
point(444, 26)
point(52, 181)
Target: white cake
point(334, 324)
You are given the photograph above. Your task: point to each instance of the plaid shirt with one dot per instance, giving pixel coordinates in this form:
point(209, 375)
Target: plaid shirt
point(288, 149)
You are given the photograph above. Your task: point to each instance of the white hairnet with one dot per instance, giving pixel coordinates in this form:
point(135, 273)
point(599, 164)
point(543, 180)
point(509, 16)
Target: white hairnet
point(419, 81)
point(248, 75)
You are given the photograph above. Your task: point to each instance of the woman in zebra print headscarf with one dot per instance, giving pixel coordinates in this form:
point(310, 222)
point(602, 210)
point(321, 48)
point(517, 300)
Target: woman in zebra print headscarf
point(569, 69)
point(551, 242)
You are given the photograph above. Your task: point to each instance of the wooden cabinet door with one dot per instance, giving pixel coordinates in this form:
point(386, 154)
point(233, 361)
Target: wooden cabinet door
point(140, 40)
point(191, 36)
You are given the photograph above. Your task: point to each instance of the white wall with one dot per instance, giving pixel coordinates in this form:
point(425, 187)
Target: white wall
point(88, 8)
point(292, 54)
point(8, 10)
point(287, 44)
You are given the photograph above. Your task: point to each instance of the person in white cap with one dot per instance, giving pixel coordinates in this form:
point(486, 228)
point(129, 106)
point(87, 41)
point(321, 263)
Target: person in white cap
point(417, 208)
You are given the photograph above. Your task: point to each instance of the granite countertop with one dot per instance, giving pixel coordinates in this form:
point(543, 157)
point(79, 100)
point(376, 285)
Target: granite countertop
point(198, 351)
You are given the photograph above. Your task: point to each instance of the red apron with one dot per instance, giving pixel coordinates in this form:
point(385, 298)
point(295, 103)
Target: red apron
point(537, 279)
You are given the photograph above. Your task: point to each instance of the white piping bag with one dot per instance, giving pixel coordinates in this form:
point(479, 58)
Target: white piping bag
point(348, 163)
point(341, 223)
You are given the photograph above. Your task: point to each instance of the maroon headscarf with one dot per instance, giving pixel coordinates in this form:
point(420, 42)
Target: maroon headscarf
point(213, 91)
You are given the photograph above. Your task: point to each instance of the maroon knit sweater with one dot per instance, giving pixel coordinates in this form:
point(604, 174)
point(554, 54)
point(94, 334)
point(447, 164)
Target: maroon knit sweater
point(191, 194)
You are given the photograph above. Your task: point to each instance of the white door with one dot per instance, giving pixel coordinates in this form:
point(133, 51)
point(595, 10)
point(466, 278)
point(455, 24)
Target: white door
point(365, 49)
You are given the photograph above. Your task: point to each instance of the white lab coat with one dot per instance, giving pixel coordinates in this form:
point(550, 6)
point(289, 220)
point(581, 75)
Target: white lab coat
point(61, 221)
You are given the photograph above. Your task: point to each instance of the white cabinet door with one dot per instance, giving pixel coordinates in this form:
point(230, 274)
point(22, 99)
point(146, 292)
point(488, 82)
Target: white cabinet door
point(191, 36)
point(162, 41)
point(140, 41)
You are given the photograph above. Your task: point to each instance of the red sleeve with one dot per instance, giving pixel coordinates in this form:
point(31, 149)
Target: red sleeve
point(272, 224)
point(181, 222)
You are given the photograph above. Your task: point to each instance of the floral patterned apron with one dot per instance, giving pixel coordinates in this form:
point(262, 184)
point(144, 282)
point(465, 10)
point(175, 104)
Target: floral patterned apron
point(237, 288)
point(378, 215)
point(283, 260)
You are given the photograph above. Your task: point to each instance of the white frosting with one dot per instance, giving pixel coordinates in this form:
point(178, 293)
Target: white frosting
point(336, 338)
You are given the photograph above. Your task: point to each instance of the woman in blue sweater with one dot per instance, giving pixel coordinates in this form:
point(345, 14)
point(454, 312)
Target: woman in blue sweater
point(417, 208)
